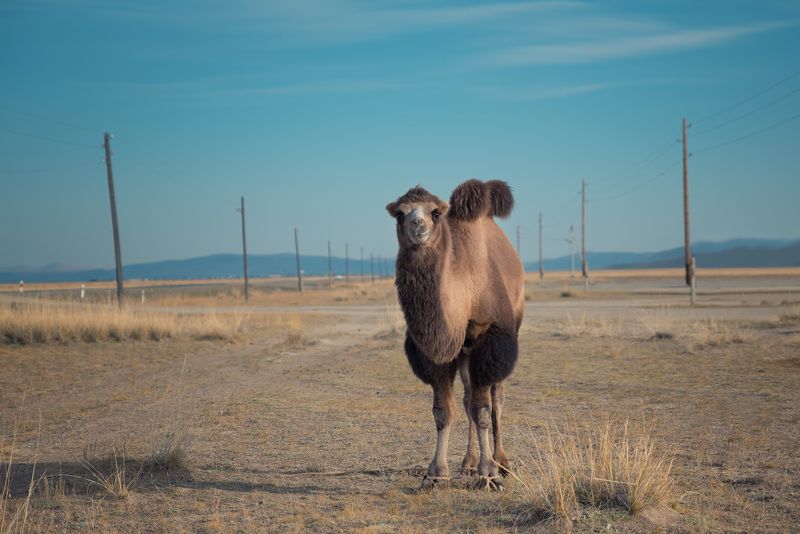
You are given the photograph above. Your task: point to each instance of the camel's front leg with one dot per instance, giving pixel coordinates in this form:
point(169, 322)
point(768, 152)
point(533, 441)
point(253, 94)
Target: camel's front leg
point(481, 408)
point(444, 406)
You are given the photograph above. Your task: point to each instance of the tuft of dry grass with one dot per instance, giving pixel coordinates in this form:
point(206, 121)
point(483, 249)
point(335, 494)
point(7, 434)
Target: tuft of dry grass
point(599, 464)
point(168, 449)
point(712, 333)
point(790, 316)
point(110, 474)
point(50, 322)
point(15, 518)
point(583, 326)
point(170, 437)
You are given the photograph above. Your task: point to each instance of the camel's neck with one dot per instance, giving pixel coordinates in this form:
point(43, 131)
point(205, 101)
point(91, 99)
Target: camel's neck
point(422, 275)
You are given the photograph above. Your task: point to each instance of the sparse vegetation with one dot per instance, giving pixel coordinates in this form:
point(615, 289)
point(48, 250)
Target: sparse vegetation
point(53, 322)
point(790, 316)
point(598, 464)
point(112, 474)
point(712, 333)
point(297, 425)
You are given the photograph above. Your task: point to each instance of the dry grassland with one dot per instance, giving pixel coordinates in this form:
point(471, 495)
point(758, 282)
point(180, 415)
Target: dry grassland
point(623, 417)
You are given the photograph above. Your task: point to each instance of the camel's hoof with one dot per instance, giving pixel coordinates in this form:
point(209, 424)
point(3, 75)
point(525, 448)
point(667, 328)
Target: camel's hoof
point(489, 484)
point(431, 483)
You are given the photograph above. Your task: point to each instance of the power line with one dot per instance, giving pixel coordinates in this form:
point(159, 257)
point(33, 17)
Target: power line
point(46, 119)
point(657, 156)
point(742, 116)
point(641, 185)
point(46, 171)
point(748, 135)
point(45, 138)
point(748, 98)
point(642, 164)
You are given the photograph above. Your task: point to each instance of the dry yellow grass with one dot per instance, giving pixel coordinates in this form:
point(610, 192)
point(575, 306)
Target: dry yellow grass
point(678, 273)
point(46, 322)
point(15, 517)
point(711, 333)
point(790, 316)
point(597, 464)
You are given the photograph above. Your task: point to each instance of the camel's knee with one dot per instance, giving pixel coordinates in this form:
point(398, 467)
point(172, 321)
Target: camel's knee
point(442, 416)
point(482, 415)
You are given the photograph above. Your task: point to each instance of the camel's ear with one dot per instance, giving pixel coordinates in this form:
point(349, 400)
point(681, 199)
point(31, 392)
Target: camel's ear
point(444, 207)
point(391, 207)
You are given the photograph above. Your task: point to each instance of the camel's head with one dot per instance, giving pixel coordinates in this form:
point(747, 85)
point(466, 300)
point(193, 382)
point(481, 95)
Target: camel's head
point(420, 216)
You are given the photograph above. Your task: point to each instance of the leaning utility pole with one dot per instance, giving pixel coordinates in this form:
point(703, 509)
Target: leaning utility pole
point(687, 243)
point(330, 267)
point(571, 242)
point(244, 250)
point(541, 265)
point(112, 197)
point(371, 269)
point(346, 263)
point(584, 263)
point(297, 256)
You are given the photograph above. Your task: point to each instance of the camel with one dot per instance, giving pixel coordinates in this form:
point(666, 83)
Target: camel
point(460, 285)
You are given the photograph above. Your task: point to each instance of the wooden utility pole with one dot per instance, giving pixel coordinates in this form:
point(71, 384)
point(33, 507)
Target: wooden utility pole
point(371, 269)
point(584, 262)
point(687, 243)
point(244, 252)
point(541, 265)
point(571, 242)
point(297, 256)
point(112, 197)
point(346, 263)
point(330, 267)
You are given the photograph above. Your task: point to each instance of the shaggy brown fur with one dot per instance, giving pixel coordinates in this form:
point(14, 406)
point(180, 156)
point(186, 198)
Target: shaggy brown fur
point(460, 285)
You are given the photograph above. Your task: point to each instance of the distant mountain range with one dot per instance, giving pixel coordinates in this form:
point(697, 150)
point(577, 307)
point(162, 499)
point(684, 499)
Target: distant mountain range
point(214, 266)
point(733, 253)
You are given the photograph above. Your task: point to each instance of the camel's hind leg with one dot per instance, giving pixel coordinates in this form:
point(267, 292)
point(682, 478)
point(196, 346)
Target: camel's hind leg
point(491, 361)
point(498, 399)
point(469, 465)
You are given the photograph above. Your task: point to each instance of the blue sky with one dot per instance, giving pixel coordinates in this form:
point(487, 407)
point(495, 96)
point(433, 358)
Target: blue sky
point(321, 112)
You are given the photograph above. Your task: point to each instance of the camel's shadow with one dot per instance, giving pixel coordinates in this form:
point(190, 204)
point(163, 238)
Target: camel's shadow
point(90, 477)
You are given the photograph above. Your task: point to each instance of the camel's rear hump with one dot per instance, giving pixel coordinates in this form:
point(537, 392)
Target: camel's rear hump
point(474, 199)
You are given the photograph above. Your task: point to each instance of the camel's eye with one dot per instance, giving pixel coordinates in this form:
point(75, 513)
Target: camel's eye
point(436, 214)
point(399, 216)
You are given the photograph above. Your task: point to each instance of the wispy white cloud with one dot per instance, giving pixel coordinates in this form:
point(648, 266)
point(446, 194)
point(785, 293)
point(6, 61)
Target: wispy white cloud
point(623, 47)
point(326, 86)
point(543, 93)
point(313, 22)
point(225, 87)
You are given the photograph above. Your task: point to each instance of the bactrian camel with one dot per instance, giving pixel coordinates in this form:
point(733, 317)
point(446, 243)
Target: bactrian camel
point(460, 285)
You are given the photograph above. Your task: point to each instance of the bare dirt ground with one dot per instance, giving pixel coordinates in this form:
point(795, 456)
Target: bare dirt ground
point(323, 427)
